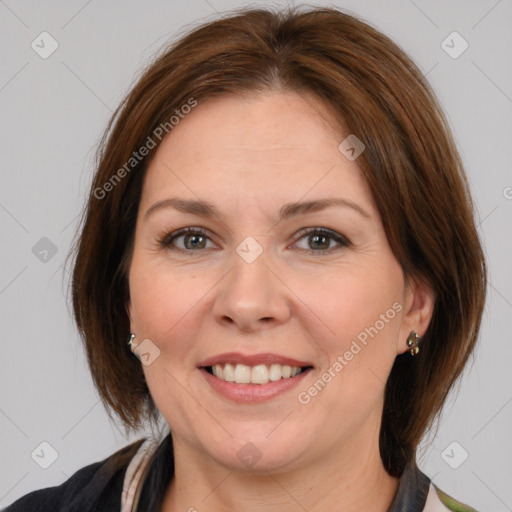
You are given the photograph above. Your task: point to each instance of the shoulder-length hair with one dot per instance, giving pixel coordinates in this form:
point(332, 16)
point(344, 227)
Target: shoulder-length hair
point(410, 163)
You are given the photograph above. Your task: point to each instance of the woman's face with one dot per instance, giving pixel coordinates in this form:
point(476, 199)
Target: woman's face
point(286, 265)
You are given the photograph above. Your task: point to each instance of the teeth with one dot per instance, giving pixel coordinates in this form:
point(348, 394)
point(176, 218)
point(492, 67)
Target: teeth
point(242, 374)
point(286, 371)
point(228, 374)
point(218, 371)
point(259, 374)
point(275, 372)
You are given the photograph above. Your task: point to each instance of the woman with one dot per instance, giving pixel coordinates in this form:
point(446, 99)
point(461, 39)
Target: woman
point(281, 225)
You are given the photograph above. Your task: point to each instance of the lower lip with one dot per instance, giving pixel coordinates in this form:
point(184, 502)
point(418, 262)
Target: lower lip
point(252, 392)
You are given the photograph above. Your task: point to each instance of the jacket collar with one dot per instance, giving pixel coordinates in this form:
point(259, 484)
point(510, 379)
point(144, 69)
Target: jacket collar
point(411, 495)
point(412, 492)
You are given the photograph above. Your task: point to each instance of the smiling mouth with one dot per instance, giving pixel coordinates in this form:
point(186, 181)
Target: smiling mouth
point(258, 374)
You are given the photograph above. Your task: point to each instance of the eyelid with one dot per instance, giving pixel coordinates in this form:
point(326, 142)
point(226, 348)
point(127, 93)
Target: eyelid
point(342, 240)
point(167, 238)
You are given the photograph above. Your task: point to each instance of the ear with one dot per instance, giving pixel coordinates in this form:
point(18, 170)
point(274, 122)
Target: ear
point(418, 309)
point(128, 308)
point(129, 311)
point(133, 329)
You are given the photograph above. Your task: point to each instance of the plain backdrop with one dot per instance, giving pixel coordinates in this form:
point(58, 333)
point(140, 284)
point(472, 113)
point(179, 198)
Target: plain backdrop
point(53, 111)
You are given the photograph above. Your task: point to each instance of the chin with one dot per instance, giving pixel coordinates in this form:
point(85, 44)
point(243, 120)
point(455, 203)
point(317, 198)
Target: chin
point(258, 454)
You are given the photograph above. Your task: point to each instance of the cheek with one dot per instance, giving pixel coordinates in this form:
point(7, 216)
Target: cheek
point(363, 313)
point(160, 300)
point(359, 305)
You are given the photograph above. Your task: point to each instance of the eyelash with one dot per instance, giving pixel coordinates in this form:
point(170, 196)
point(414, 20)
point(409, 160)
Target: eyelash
point(167, 239)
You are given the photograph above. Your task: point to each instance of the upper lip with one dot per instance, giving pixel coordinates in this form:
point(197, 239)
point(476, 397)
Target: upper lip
point(252, 360)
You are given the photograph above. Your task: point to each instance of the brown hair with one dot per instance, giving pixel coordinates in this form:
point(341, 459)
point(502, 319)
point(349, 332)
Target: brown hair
point(410, 163)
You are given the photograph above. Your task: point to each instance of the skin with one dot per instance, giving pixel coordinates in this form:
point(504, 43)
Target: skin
point(249, 156)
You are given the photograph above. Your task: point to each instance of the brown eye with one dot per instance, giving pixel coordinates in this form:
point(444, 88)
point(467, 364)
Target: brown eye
point(187, 239)
point(194, 241)
point(321, 240)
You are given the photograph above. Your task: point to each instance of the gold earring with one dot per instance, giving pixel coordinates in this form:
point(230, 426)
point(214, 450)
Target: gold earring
point(412, 343)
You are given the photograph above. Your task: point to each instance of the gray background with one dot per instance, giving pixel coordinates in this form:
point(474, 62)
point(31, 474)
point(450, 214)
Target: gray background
point(52, 113)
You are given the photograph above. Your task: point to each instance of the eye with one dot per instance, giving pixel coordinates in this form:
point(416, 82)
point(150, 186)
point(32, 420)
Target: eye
point(186, 240)
point(319, 240)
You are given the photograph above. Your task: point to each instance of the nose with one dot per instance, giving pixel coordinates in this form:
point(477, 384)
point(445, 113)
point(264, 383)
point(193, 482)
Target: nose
point(252, 297)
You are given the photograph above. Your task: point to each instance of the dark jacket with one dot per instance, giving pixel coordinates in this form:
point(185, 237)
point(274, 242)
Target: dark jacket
point(94, 488)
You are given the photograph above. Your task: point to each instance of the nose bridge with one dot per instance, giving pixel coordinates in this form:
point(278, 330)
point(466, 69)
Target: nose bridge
point(250, 268)
point(251, 294)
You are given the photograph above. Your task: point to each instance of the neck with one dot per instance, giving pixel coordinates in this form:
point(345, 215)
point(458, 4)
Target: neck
point(347, 481)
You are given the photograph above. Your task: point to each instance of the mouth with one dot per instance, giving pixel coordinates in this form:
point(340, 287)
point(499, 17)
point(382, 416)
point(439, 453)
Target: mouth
point(253, 378)
point(259, 374)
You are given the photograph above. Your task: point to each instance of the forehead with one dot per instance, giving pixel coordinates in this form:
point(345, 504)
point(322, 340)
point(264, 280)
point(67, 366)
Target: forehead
point(278, 143)
point(279, 122)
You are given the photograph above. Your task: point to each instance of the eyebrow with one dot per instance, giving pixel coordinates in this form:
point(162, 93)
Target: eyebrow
point(288, 210)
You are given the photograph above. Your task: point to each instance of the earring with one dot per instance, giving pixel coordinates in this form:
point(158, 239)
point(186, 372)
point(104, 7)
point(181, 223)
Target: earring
point(130, 342)
point(412, 343)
